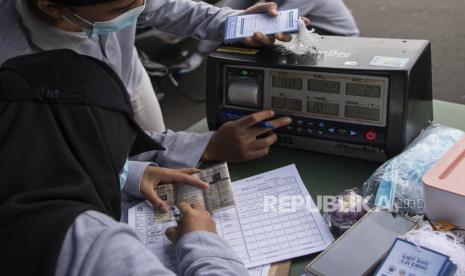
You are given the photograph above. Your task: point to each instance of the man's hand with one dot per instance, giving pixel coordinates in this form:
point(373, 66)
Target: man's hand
point(154, 176)
point(194, 218)
point(237, 141)
point(259, 39)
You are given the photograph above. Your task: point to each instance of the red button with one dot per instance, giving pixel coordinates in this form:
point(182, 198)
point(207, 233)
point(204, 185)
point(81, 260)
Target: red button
point(370, 135)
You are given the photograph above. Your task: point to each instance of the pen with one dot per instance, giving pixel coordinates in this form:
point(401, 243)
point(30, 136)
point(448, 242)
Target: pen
point(232, 116)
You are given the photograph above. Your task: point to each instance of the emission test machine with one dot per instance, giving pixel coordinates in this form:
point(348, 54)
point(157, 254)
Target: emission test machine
point(358, 97)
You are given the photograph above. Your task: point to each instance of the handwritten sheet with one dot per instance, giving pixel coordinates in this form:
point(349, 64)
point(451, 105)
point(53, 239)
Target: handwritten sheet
point(258, 237)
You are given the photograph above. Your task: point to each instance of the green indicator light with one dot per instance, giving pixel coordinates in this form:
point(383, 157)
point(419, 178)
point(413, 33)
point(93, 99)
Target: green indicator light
point(244, 72)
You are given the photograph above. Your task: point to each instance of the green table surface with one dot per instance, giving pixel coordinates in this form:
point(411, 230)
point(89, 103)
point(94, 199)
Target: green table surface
point(328, 175)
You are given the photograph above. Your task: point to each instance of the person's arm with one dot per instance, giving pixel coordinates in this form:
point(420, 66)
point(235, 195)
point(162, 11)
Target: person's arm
point(136, 170)
point(332, 16)
point(198, 244)
point(186, 18)
point(234, 142)
point(182, 149)
point(203, 21)
point(205, 253)
point(97, 245)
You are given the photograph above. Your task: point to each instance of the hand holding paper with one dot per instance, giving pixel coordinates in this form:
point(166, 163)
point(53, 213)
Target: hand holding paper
point(261, 24)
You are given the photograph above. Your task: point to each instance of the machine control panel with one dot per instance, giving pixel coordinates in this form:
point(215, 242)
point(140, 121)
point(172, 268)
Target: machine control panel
point(330, 106)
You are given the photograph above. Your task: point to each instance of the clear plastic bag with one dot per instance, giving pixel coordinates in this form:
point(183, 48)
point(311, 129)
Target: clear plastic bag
point(398, 184)
point(302, 43)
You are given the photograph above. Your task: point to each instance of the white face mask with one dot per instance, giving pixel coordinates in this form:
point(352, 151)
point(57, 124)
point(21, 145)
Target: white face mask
point(121, 22)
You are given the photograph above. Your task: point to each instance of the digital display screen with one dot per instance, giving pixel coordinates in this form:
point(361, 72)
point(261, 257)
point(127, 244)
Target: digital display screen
point(286, 104)
point(363, 90)
point(325, 86)
point(287, 82)
point(323, 108)
point(363, 113)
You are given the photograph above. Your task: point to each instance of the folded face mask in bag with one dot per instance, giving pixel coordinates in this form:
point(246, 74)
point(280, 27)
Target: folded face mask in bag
point(398, 183)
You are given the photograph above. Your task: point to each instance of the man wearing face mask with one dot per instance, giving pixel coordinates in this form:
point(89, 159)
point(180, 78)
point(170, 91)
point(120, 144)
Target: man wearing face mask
point(105, 30)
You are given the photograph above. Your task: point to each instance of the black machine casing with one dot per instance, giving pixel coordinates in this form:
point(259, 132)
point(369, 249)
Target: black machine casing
point(408, 107)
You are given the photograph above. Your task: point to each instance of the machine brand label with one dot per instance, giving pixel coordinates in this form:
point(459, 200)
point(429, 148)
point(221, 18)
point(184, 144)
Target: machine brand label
point(353, 149)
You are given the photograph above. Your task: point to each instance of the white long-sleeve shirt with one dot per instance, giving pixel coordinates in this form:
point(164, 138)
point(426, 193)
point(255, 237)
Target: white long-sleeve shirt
point(95, 244)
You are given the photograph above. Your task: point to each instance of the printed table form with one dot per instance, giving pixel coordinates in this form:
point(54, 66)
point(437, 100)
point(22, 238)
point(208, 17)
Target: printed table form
point(257, 237)
point(260, 237)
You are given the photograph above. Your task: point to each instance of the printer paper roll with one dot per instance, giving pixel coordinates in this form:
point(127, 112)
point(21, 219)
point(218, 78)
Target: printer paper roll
point(243, 93)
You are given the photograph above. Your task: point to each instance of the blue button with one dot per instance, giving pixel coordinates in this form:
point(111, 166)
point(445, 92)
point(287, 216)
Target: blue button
point(353, 133)
point(321, 125)
point(231, 115)
point(332, 130)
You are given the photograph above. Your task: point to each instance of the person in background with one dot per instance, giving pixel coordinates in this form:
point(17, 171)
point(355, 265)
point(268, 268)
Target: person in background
point(62, 153)
point(105, 30)
point(329, 17)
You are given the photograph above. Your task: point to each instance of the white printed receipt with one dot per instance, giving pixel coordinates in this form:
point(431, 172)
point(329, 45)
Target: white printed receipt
point(241, 26)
